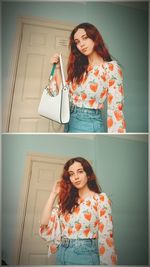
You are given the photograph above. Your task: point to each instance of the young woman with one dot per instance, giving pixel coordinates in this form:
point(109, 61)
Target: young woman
point(93, 77)
point(80, 228)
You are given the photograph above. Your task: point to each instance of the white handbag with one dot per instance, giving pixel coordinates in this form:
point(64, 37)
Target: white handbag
point(56, 107)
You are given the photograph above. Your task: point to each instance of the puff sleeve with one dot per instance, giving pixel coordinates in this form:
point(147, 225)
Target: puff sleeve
point(51, 232)
point(115, 99)
point(106, 244)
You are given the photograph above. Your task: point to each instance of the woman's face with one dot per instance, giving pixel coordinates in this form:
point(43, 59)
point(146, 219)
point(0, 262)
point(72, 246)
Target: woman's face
point(84, 44)
point(77, 175)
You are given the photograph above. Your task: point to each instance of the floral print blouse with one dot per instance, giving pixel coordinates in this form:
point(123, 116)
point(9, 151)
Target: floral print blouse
point(91, 219)
point(102, 82)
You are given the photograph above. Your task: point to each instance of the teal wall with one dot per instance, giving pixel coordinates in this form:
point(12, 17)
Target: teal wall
point(125, 31)
point(121, 166)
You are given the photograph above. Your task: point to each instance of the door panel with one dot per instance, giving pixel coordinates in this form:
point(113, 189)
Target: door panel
point(43, 173)
point(38, 44)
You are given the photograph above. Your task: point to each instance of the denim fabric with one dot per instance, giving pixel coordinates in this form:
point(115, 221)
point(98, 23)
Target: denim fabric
point(78, 252)
point(85, 120)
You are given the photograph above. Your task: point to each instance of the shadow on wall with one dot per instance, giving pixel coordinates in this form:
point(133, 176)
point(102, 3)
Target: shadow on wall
point(3, 262)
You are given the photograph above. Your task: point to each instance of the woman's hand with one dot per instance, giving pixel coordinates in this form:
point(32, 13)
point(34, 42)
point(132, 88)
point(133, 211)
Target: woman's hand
point(55, 59)
point(50, 202)
point(56, 188)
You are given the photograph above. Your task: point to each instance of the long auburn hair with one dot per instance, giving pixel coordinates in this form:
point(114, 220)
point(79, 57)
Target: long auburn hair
point(68, 196)
point(77, 62)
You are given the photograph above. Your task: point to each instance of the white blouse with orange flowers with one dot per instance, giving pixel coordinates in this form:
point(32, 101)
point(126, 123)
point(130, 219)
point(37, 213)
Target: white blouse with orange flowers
point(102, 82)
point(91, 219)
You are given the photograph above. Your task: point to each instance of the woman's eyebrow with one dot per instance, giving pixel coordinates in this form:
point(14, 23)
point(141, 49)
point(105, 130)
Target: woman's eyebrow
point(80, 169)
point(81, 37)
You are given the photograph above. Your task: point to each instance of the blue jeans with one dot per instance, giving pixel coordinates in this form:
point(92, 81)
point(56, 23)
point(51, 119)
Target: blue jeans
point(84, 120)
point(78, 252)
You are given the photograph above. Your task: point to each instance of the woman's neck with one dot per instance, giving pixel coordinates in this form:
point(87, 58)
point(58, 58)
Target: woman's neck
point(94, 59)
point(84, 192)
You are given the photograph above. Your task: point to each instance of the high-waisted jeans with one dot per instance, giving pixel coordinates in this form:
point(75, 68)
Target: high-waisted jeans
point(84, 120)
point(78, 252)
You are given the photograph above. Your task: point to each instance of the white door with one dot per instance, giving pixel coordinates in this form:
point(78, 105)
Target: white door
point(41, 176)
point(38, 44)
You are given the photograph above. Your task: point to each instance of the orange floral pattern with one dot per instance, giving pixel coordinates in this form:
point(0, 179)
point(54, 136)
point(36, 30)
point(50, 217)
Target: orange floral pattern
point(85, 221)
point(104, 82)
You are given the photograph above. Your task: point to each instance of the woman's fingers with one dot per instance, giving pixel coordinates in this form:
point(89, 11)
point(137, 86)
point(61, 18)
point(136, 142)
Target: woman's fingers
point(55, 59)
point(56, 186)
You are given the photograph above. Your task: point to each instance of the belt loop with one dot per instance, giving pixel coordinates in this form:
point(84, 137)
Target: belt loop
point(65, 242)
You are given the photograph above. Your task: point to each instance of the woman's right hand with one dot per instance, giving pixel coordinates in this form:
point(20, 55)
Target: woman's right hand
point(55, 58)
point(50, 202)
point(56, 188)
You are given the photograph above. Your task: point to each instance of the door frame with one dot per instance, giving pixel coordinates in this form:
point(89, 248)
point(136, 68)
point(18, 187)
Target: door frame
point(20, 22)
point(21, 212)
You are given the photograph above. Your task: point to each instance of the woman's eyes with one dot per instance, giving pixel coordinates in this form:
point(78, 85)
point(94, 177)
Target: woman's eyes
point(83, 38)
point(78, 172)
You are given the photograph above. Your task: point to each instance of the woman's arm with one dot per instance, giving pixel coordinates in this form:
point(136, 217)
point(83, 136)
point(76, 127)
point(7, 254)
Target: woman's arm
point(57, 75)
point(49, 204)
point(50, 229)
point(115, 100)
point(108, 255)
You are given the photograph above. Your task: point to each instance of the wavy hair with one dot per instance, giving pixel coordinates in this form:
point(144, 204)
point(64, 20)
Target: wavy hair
point(68, 196)
point(78, 63)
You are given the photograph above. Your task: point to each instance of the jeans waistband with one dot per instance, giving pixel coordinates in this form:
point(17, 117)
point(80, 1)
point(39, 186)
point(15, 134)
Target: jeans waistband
point(66, 242)
point(84, 110)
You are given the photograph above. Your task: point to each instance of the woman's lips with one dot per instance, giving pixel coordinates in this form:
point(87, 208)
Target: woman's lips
point(77, 183)
point(84, 50)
